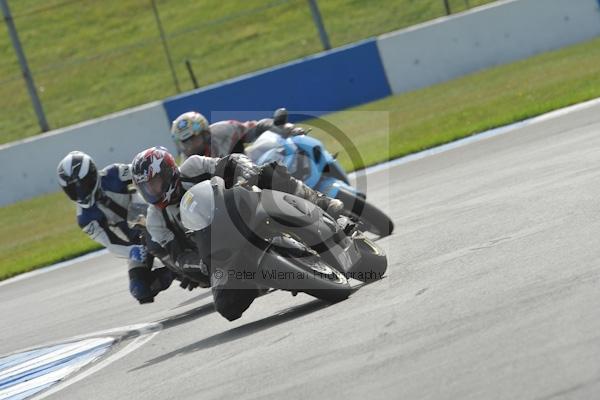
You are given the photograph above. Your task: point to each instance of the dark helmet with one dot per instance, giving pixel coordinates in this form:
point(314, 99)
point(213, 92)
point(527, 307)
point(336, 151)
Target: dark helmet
point(78, 177)
point(157, 177)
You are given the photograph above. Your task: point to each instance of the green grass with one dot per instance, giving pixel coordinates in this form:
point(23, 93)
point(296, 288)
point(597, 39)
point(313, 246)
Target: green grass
point(43, 230)
point(39, 232)
point(90, 58)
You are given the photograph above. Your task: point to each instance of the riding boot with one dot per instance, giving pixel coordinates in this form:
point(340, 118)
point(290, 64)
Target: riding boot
point(333, 207)
point(276, 176)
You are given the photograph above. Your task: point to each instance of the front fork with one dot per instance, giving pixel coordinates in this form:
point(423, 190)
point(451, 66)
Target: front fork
point(330, 187)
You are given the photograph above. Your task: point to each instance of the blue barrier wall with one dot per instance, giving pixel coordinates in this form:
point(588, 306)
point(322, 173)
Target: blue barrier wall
point(329, 81)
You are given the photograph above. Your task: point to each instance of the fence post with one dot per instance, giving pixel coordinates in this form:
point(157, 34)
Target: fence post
point(447, 6)
point(316, 14)
point(165, 45)
point(35, 100)
point(191, 72)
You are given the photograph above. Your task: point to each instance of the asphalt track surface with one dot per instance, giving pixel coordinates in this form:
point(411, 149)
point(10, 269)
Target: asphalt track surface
point(493, 291)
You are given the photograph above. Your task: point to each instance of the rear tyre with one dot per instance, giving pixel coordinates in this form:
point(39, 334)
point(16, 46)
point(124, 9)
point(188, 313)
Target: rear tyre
point(370, 218)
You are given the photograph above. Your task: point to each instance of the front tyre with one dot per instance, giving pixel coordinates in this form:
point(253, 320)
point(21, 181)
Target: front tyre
point(370, 218)
point(373, 261)
point(290, 265)
point(338, 293)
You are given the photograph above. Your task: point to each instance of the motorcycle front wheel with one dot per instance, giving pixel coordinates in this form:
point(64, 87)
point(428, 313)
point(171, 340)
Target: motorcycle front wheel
point(303, 271)
point(371, 218)
point(373, 261)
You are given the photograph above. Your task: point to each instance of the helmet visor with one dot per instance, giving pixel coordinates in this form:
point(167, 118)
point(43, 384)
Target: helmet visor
point(82, 190)
point(154, 189)
point(70, 190)
point(179, 145)
point(192, 145)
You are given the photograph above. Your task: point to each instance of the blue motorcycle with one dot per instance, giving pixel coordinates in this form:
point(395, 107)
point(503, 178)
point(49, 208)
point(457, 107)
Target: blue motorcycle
point(307, 160)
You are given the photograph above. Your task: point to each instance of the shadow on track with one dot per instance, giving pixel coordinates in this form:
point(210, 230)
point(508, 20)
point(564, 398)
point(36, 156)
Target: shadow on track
point(187, 316)
point(195, 299)
point(240, 331)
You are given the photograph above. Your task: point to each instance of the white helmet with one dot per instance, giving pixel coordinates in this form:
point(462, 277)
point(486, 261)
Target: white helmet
point(78, 177)
point(188, 125)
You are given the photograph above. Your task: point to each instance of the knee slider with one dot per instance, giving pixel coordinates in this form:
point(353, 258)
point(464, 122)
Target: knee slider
point(140, 280)
point(137, 256)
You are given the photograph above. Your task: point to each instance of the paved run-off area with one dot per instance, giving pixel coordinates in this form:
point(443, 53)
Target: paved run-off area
point(493, 291)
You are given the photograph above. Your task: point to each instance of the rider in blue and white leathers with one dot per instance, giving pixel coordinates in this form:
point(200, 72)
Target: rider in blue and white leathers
point(102, 199)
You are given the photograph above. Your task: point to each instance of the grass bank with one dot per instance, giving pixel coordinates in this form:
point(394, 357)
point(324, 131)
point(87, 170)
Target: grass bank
point(91, 58)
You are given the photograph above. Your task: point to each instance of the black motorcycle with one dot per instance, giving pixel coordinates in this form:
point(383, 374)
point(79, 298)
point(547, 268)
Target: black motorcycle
point(277, 240)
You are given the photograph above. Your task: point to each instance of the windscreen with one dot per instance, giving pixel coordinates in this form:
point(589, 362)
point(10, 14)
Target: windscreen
point(268, 142)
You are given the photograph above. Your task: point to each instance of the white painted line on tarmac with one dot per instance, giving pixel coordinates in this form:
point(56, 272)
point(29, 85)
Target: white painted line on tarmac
point(131, 347)
point(27, 373)
point(375, 168)
point(49, 369)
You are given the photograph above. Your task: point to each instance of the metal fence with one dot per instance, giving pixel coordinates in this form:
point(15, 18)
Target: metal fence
point(90, 58)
